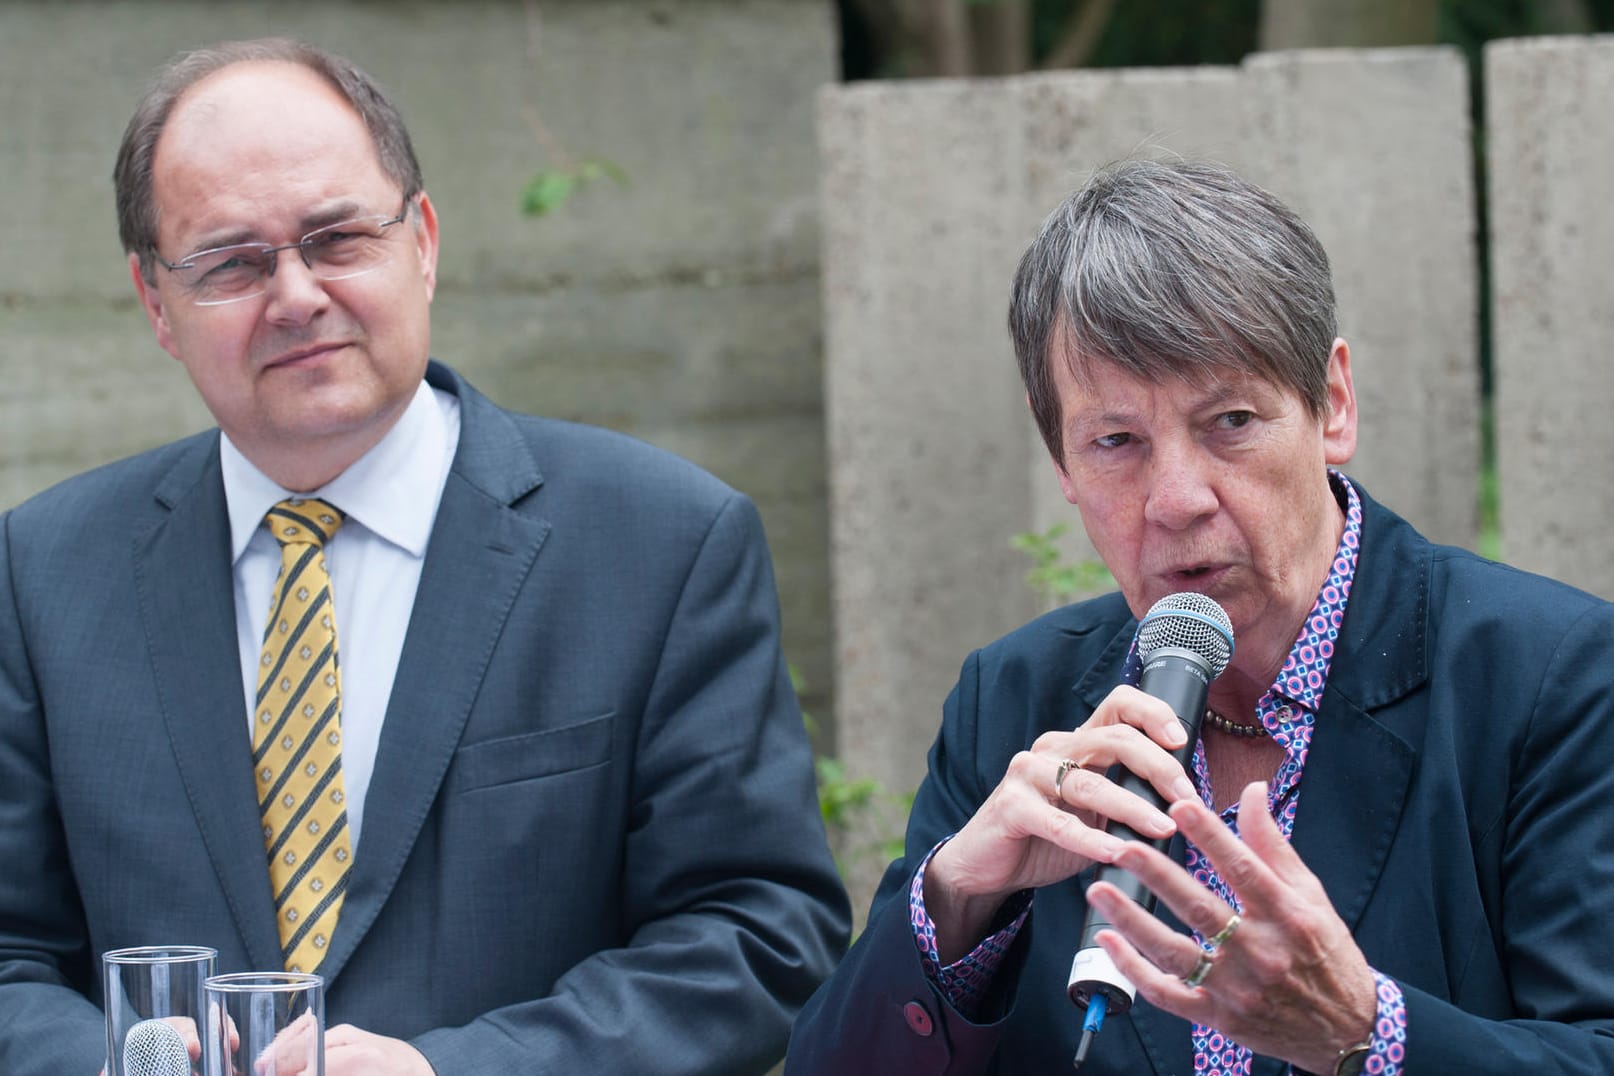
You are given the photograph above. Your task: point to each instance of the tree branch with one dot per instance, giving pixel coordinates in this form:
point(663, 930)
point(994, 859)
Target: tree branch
point(1080, 35)
point(1001, 31)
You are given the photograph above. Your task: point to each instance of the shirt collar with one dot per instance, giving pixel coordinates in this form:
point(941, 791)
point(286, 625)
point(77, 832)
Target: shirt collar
point(1305, 670)
point(392, 490)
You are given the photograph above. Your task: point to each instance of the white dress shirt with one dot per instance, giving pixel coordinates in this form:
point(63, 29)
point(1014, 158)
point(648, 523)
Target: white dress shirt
point(390, 495)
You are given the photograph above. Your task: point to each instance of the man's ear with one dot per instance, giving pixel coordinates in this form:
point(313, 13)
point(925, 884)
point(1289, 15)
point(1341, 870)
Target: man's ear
point(426, 243)
point(152, 304)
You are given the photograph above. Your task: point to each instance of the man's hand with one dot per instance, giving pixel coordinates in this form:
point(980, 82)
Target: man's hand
point(349, 1051)
point(1029, 834)
point(1290, 982)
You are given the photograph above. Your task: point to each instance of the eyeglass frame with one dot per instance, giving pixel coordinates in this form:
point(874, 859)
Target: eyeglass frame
point(272, 253)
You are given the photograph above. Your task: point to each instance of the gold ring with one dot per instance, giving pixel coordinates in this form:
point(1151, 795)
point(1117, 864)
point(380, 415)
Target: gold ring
point(1201, 969)
point(1217, 940)
point(1065, 766)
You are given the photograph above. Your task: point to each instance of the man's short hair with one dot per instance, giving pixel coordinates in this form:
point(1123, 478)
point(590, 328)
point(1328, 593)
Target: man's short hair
point(132, 179)
point(1172, 269)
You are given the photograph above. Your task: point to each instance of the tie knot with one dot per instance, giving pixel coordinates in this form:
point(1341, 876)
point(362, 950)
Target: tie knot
point(303, 520)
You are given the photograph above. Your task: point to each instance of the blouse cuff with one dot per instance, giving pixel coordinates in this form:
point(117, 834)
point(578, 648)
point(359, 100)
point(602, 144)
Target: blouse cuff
point(965, 982)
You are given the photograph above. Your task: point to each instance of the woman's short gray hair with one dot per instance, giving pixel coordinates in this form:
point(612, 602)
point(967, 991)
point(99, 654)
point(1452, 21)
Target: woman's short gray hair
point(132, 175)
point(1172, 269)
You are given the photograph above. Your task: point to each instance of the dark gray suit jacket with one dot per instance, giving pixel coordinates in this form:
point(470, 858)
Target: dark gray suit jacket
point(591, 841)
point(1457, 805)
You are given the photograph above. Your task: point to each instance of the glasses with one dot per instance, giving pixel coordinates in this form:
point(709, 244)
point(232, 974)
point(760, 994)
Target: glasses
point(240, 271)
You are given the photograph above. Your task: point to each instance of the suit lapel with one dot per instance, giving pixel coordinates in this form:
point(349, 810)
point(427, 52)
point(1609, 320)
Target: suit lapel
point(1365, 747)
point(1351, 798)
point(480, 552)
point(186, 591)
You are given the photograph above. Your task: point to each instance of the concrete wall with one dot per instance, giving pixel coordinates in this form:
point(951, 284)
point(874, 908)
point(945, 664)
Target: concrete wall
point(930, 193)
point(683, 308)
point(1551, 149)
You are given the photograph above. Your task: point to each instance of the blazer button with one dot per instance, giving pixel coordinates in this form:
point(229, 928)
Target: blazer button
point(918, 1019)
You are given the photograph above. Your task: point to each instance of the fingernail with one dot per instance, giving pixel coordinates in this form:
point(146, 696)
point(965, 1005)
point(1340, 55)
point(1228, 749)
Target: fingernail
point(1175, 736)
point(1163, 825)
point(1183, 789)
point(1109, 847)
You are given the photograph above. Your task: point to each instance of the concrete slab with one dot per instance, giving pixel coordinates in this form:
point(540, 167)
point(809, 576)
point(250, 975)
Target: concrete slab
point(1550, 147)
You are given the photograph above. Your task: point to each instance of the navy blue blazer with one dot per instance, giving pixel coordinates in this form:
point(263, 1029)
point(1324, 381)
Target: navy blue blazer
point(591, 841)
point(1457, 803)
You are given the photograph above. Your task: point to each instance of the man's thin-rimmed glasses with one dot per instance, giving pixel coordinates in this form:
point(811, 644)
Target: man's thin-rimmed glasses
point(240, 271)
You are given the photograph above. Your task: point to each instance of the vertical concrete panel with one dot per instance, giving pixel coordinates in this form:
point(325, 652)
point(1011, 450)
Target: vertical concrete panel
point(924, 184)
point(1372, 149)
point(1550, 149)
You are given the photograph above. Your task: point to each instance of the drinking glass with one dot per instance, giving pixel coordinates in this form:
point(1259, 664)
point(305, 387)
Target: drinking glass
point(154, 1006)
point(266, 1024)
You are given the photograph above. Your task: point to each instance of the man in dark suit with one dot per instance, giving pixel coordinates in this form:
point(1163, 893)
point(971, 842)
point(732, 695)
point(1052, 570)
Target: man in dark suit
point(1392, 850)
point(545, 803)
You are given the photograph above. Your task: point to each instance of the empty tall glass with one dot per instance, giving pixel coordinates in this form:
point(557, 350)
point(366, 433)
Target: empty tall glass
point(266, 1024)
point(154, 1007)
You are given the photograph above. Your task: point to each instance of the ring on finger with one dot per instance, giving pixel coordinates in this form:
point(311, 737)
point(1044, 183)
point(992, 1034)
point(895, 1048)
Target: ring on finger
point(1217, 940)
point(1065, 766)
point(1201, 969)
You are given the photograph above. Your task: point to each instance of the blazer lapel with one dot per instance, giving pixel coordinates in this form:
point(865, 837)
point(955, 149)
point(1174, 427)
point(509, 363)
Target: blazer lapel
point(186, 591)
point(481, 550)
point(1364, 748)
point(1351, 797)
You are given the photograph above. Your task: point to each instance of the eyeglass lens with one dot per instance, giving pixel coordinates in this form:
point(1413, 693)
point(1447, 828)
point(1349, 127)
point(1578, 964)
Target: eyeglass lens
point(335, 252)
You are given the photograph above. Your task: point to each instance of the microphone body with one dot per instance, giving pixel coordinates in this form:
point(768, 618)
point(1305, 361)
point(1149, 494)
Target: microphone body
point(1185, 641)
point(1182, 679)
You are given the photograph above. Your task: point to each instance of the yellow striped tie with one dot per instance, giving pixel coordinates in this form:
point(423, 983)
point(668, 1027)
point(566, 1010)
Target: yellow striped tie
point(297, 738)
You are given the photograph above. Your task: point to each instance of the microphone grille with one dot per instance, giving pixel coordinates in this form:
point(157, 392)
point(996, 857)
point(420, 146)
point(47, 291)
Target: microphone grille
point(153, 1048)
point(1190, 622)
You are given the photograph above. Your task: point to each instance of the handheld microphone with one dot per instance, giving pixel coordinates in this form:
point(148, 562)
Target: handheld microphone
point(1184, 641)
point(153, 1048)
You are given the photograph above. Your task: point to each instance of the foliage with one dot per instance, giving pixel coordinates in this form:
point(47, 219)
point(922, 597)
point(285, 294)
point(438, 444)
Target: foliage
point(1051, 575)
point(1148, 33)
point(852, 807)
point(880, 37)
point(551, 188)
point(1490, 532)
point(896, 38)
point(861, 817)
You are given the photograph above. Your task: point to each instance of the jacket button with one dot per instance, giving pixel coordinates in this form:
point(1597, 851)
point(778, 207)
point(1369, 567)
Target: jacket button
point(918, 1019)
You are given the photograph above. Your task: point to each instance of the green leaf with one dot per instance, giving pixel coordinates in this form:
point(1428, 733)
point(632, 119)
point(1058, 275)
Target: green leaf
point(547, 192)
point(1050, 576)
point(599, 168)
